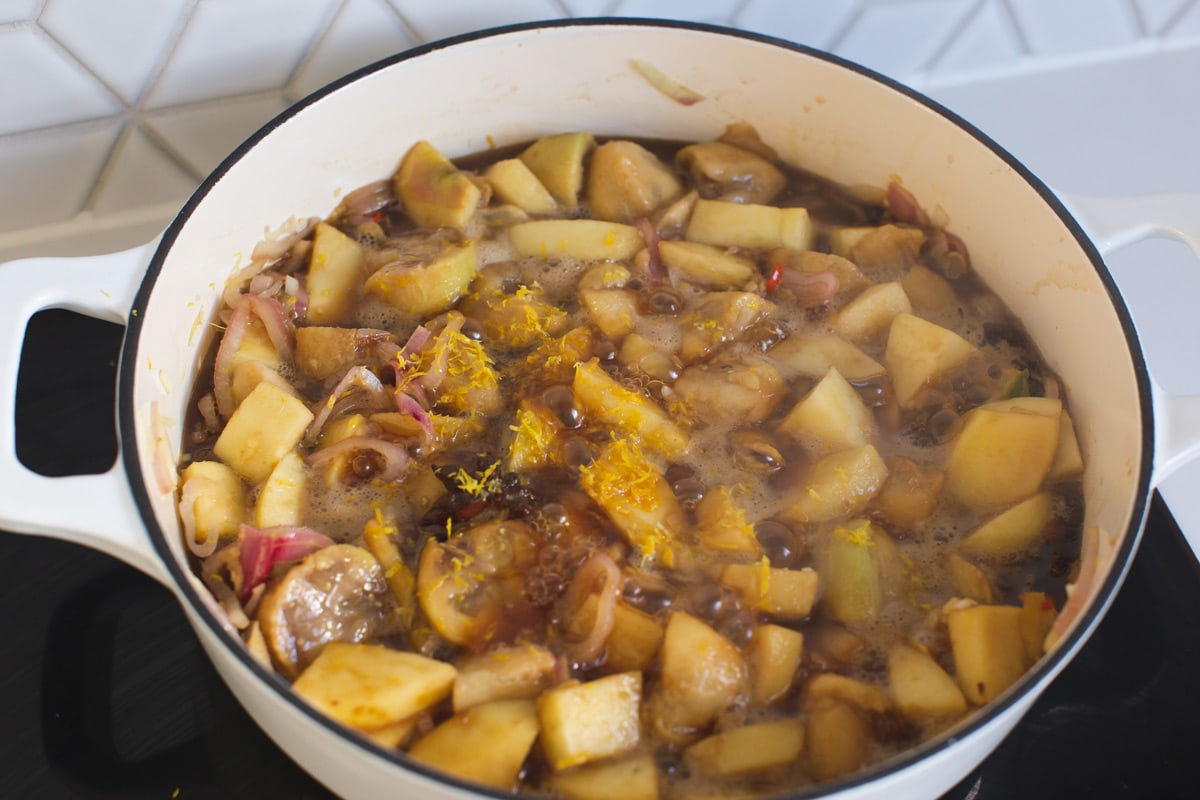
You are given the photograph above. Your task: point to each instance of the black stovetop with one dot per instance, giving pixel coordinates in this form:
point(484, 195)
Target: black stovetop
point(107, 694)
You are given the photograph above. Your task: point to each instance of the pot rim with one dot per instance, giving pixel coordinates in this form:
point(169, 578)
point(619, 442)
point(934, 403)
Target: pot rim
point(979, 719)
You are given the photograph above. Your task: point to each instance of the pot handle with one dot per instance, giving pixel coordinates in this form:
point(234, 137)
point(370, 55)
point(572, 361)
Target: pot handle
point(96, 511)
point(1113, 223)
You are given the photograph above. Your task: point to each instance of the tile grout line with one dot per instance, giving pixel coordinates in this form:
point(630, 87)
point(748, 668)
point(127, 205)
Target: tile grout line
point(838, 37)
point(417, 36)
point(922, 71)
point(1009, 14)
point(332, 13)
point(1180, 14)
point(1139, 19)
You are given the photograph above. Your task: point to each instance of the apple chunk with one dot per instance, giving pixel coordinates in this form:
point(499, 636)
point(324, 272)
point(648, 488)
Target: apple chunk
point(435, 193)
point(335, 273)
point(487, 743)
point(829, 418)
point(919, 353)
point(1004, 451)
point(583, 722)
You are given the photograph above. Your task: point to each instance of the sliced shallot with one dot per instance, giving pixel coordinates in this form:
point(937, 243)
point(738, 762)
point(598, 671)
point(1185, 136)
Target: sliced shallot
point(357, 380)
point(658, 272)
point(904, 206)
point(601, 576)
point(272, 316)
point(395, 458)
point(261, 550)
point(810, 289)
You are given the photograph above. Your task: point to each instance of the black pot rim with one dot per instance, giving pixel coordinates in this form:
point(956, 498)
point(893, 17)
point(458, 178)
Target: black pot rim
point(974, 723)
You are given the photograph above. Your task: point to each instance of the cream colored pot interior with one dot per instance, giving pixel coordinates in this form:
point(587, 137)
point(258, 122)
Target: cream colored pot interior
point(512, 87)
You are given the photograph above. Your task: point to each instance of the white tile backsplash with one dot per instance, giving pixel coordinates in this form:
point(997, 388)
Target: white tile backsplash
point(363, 32)
point(234, 47)
point(986, 42)
point(203, 134)
point(49, 174)
point(899, 40)
point(815, 23)
point(1158, 15)
point(437, 20)
point(184, 81)
point(141, 174)
point(1072, 26)
point(42, 85)
point(121, 41)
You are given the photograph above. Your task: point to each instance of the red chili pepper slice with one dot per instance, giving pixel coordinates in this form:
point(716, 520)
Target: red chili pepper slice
point(776, 277)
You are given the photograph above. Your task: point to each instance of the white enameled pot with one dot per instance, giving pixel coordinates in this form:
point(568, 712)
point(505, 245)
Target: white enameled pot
point(511, 85)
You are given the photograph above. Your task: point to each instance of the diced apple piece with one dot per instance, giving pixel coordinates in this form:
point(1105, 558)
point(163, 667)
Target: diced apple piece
point(866, 696)
point(249, 374)
point(1004, 451)
point(911, 492)
point(335, 273)
point(638, 499)
point(263, 429)
point(434, 192)
point(486, 743)
point(748, 749)
point(702, 673)
point(812, 358)
point(1013, 532)
point(989, 651)
point(584, 722)
point(857, 562)
point(508, 673)
point(395, 735)
point(727, 224)
point(590, 239)
point(1037, 618)
point(612, 404)
point(632, 778)
point(516, 320)
point(920, 686)
point(833, 646)
point(324, 351)
point(219, 507)
point(613, 311)
point(735, 391)
point(644, 357)
point(871, 312)
point(1068, 461)
point(829, 418)
point(706, 265)
point(256, 346)
point(513, 182)
point(722, 525)
point(605, 276)
point(626, 181)
point(718, 318)
point(281, 498)
point(368, 686)
point(635, 639)
point(887, 247)
point(378, 540)
point(430, 287)
point(534, 446)
point(775, 654)
point(786, 594)
point(557, 161)
point(732, 172)
point(919, 353)
point(671, 220)
point(838, 486)
point(969, 580)
point(554, 360)
point(836, 737)
point(928, 291)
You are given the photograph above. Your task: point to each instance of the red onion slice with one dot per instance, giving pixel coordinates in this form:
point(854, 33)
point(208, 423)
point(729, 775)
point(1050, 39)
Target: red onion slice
point(407, 404)
point(271, 313)
point(810, 288)
point(356, 379)
point(261, 550)
point(658, 272)
point(904, 206)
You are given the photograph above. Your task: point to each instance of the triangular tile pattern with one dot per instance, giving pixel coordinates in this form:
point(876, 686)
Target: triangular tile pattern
point(133, 100)
point(364, 31)
point(121, 41)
